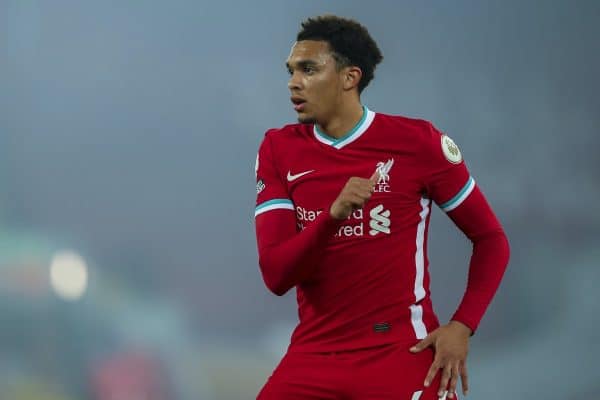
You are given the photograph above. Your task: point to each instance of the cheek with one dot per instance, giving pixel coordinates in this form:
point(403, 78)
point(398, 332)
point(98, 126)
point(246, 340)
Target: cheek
point(326, 88)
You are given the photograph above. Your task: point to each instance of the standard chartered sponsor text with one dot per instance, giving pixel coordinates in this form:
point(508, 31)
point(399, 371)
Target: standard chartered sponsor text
point(353, 226)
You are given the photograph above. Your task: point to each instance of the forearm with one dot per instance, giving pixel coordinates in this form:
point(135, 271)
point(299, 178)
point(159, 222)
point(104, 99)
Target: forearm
point(287, 257)
point(488, 263)
point(489, 258)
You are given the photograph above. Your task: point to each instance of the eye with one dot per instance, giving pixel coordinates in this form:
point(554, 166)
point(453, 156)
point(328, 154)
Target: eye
point(309, 69)
point(290, 72)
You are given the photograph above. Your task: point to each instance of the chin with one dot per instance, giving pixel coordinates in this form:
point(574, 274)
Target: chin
point(306, 119)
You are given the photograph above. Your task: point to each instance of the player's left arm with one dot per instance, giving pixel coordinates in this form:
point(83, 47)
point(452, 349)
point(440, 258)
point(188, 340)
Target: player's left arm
point(450, 185)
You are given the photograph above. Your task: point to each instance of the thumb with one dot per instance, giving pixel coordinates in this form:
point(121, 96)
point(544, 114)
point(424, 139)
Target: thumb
point(423, 344)
point(375, 177)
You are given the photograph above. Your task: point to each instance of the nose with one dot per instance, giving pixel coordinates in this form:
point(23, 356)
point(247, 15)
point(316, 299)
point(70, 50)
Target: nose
point(294, 82)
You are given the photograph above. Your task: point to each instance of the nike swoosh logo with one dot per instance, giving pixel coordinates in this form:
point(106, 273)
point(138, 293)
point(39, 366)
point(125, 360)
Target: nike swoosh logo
point(291, 177)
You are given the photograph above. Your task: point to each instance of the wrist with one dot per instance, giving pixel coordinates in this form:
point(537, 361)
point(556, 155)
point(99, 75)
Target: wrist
point(461, 326)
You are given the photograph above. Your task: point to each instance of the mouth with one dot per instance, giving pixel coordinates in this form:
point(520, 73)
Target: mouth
point(298, 103)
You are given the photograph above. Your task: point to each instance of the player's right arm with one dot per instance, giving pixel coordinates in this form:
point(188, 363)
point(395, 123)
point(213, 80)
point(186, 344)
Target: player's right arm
point(286, 256)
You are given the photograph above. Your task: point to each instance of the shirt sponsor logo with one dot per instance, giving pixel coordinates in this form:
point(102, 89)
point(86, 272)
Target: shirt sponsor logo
point(291, 177)
point(383, 169)
point(354, 225)
point(380, 221)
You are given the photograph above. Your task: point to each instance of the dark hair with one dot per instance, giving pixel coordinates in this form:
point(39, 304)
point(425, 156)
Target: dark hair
point(349, 41)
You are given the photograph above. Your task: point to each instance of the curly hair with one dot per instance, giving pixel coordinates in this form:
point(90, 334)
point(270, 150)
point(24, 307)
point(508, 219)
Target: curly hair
point(350, 43)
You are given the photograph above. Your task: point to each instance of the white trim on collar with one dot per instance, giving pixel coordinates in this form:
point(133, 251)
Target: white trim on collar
point(355, 133)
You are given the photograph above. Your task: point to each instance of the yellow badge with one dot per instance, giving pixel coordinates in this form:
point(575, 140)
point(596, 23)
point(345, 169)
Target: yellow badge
point(451, 150)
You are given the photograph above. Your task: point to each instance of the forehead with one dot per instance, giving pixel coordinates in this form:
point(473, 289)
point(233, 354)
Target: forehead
point(313, 50)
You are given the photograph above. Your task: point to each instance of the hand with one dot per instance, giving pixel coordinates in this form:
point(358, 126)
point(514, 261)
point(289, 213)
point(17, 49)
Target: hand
point(451, 345)
point(353, 196)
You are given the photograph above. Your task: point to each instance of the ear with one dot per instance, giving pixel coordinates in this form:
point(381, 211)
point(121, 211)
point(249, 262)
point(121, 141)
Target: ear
point(352, 76)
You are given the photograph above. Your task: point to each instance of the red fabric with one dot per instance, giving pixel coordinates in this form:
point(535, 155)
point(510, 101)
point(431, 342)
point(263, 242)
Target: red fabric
point(488, 261)
point(372, 267)
point(384, 372)
point(287, 258)
point(440, 178)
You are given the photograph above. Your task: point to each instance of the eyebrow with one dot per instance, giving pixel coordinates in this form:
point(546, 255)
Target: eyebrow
point(302, 63)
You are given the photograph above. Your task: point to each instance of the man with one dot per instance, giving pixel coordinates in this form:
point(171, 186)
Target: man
point(343, 207)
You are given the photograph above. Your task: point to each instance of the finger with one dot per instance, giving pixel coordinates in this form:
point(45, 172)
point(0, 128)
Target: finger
point(364, 183)
point(358, 180)
point(358, 198)
point(446, 374)
point(374, 178)
point(368, 184)
point(431, 373)
point(453, 380)
point(423, 344)
point(464, 378)
point(355, 201)
point(362, 191)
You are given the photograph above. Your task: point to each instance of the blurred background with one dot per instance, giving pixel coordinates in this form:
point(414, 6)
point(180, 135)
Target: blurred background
point(128, 135)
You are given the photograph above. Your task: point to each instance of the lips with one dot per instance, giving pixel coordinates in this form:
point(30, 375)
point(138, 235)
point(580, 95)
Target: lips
point(298, 102)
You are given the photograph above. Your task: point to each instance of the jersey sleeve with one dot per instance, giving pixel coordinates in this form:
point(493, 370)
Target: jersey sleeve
point(448, 182)
point(286, 257)
point(271, 191)
point(446, 179)
point(489, 259)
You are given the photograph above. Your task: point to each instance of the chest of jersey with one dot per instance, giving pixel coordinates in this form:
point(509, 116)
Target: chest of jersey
point(315, 175)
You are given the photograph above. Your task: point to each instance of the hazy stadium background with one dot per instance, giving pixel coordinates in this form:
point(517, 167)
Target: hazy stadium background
point(128, 135)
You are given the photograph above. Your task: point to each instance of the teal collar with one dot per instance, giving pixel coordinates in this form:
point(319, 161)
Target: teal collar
point(355, 133)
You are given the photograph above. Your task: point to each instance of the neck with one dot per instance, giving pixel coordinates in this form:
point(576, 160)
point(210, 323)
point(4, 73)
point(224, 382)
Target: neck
point(343, 121)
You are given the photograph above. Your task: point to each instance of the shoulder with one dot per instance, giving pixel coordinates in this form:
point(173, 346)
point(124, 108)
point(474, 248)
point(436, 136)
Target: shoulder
point(408, 132)
point(278, 143)
point(286, 132)
point(422, 135)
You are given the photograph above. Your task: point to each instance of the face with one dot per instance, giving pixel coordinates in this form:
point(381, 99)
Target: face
point(315, 83)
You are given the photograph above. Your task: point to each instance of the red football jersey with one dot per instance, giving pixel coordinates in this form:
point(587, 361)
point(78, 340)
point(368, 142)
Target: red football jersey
point(369, 283)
